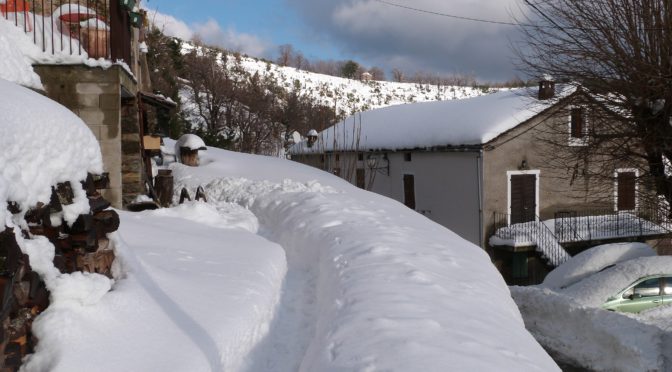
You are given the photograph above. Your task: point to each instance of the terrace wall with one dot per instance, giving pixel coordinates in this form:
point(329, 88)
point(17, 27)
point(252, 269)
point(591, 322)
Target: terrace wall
point(95, 95)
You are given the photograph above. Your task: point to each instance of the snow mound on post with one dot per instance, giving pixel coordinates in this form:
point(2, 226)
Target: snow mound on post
point(593, 260)
point(42, 143)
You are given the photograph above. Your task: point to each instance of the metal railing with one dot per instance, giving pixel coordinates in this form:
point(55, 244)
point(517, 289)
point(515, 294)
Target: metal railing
point(586, 225)
point(88, 28)
point(531, 233)
point(575, 226)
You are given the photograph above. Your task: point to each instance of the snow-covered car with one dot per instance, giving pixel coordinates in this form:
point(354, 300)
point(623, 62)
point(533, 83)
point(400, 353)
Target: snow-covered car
point(568, 314)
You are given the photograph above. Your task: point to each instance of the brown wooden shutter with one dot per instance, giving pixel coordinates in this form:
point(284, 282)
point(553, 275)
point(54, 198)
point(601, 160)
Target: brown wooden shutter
point(361, 180)
point(523, 198)
point(577, 123)
point(626, 182)
point(409, 191)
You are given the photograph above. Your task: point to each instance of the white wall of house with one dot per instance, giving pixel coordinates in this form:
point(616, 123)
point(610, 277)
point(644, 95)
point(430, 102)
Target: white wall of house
point(447, 188)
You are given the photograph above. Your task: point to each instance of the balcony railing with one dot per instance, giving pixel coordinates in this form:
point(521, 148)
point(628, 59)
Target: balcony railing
point(86, 28)
point(590, 225)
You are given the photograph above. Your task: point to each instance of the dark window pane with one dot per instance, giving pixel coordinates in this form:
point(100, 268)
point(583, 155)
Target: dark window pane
point(577, 123)
point(648, 288)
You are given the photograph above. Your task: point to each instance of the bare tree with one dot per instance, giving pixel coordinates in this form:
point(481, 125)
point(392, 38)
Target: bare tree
point(300, 62)
point(620, 53)
point(397, 75)
point(211, 86)
point(286, 52)
point(377, 73)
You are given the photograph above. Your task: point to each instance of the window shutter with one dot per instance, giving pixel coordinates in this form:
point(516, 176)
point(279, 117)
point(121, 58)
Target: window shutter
point(409, 191)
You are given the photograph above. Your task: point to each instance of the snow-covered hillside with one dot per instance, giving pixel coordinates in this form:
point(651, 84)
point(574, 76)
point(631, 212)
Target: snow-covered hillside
point(351, 95)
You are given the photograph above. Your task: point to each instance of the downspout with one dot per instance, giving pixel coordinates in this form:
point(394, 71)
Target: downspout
point(479, 178)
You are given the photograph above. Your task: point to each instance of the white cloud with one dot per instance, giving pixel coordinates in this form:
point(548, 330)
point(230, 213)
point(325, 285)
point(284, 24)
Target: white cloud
point(380, 33)
point(170, 25)
point(212, 33)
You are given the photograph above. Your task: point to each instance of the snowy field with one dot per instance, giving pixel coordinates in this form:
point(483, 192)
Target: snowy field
point(310, 274)
point(565, 315)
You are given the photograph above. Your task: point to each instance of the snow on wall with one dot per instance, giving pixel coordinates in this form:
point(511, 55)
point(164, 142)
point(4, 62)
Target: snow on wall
point(15, 66)
point(42, 143)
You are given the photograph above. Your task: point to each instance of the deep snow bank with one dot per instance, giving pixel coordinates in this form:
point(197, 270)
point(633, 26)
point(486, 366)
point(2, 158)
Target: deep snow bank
point(196, 293)
point(394, 291)
point(591, 337)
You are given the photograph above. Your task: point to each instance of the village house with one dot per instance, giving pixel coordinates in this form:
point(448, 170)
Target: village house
point(484, 167)
point(91, 59)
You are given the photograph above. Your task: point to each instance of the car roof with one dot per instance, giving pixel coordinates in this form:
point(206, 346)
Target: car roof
point(594, 260)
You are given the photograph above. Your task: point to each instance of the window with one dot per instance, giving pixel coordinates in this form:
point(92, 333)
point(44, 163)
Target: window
point(360, 157)
point(647, 288)
point(409, 190)
point(578, 126)
point(667, 285)
point(338, 158)
point(577, 122)
point(361, 179)
point(407, 156)
point(626, 190)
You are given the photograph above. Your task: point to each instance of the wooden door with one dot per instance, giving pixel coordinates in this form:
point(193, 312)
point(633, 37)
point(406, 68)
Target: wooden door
point(523, 197)
point(626, 191)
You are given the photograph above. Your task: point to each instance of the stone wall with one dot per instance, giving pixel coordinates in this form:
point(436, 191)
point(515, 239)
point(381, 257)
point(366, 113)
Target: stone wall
point(95, 95)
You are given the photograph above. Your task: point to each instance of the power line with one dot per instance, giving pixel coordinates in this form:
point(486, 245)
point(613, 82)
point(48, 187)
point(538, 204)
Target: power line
point(453, 16)
point(553, 25)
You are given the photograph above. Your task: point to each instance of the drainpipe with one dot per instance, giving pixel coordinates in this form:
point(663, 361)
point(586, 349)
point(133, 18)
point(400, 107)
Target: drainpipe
point(479, 178)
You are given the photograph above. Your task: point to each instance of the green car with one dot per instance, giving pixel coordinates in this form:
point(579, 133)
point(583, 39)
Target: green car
point(645, 293)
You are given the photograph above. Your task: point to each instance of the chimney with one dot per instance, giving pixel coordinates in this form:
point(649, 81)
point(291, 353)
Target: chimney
point(312, 137)
point(546, 87)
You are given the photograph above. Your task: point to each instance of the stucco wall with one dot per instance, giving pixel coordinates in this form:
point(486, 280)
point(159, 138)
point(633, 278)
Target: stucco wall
point(446, 188)
point(446, 183)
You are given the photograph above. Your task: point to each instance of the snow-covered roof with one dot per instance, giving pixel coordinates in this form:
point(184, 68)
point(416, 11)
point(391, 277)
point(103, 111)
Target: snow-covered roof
point(470, 121)
point(43, 143)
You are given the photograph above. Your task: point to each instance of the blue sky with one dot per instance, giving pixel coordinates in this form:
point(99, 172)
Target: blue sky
point(366, 31)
